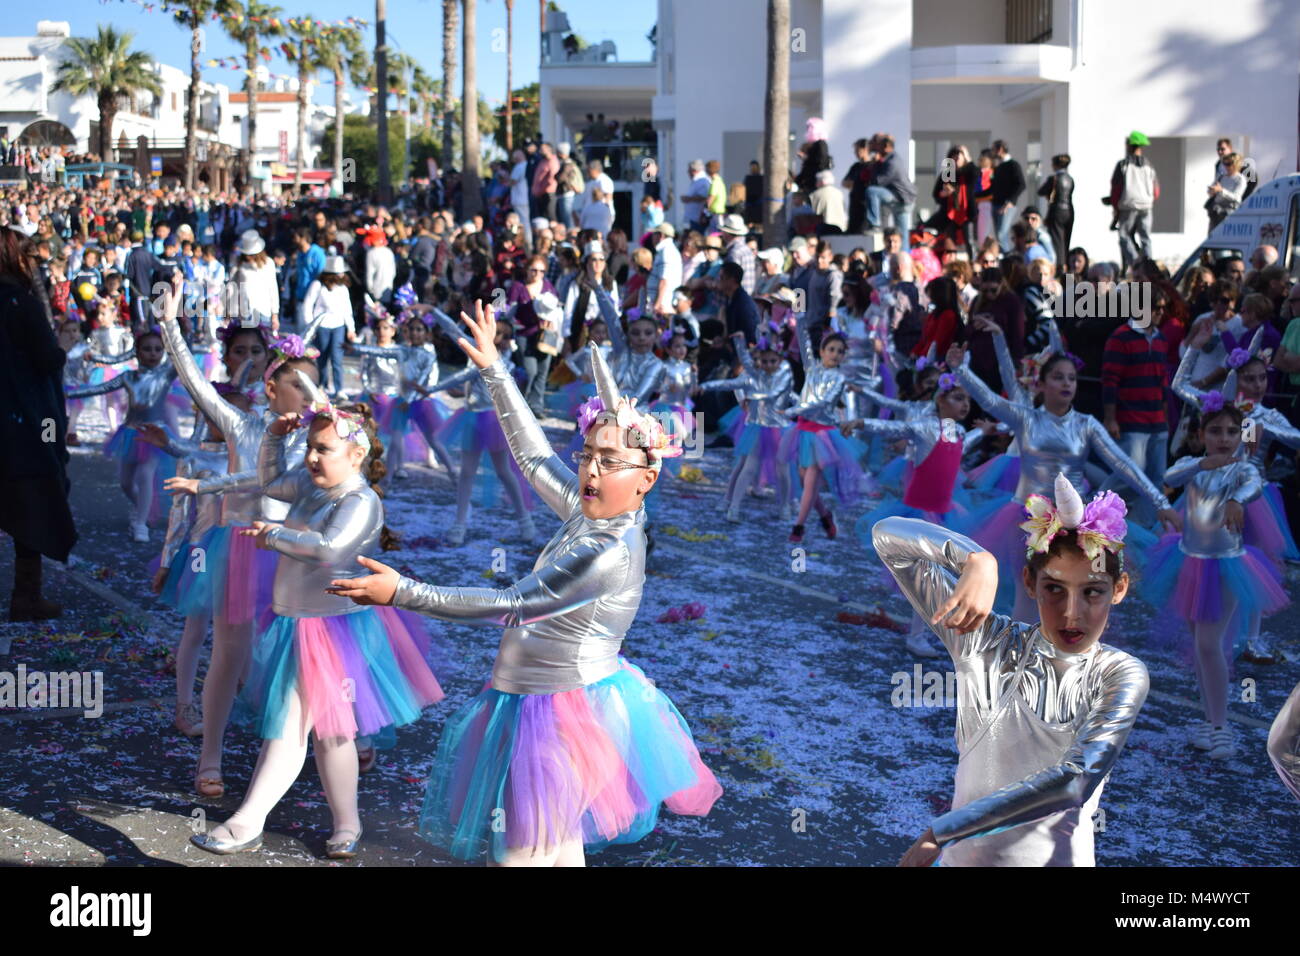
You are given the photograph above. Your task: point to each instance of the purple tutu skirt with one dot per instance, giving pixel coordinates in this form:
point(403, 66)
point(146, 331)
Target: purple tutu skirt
point(999, 475)
point(516, 771)
point(481, 432)
point(837, 456)
point(124, 446)
point(1267, 528)
point(767, 443)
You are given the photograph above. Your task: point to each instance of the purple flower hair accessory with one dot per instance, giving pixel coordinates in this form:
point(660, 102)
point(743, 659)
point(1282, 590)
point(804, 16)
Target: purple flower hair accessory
point(1212, 402)
point(947, 382)
point(588, 412)
point(1238, 357)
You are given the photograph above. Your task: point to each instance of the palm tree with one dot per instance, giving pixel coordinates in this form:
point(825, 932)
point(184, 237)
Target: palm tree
point(381, 76)
point(471, 201)
point(192, 15)
point(340, 49)
point(424, 89)
point(450, 13)
point(776, 126)
point(247, 26)
point(107, 67)
point(510, 68)
point(305, 52)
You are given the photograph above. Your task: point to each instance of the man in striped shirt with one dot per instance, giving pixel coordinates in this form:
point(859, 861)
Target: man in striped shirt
point(1134, 388)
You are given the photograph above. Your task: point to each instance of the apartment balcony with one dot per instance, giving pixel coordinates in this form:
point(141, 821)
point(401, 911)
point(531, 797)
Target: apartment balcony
point(1006, 64)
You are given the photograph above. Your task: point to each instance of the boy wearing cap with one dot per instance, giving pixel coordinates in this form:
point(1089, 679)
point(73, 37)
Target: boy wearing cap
point(1134, 188)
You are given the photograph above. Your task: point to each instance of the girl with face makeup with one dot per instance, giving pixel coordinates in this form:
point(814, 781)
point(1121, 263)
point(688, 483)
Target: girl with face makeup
point(1043, 707)
point(571, 747)
point(141, 467)
point(1266, 526)
point(939, 442)
point(1209, 575)
point(1053, 437)
point(814, 443)
point(322, 663)
point(765, 387)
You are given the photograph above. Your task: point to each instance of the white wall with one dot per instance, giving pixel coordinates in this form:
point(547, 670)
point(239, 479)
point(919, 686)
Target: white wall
point(944, 23)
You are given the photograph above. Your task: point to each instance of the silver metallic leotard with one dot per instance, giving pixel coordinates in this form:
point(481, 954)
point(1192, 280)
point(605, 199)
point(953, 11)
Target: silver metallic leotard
point(1038, 728)
point(763, 395)
point(1204, 534)
point(822, 387)
point(564, 622)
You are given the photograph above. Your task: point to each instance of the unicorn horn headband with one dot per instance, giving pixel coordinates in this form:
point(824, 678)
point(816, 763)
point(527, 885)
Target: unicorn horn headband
point(644, 430)
point(1098, 526)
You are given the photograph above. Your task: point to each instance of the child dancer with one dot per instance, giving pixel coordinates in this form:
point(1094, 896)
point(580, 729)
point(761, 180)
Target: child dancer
point(1284, 743)
point(636, 367)
point(1053, 438)
point(317, 643)
point(1043, 708)
point(75, 371)
point(674, 387)
point(1207, 575)
point(141, 467)
point(110, 338)
point(381, 384)
point(814, 442)
point(418, 364)
point(477, 429)
point(939, 443)
point(1267, 527)
point(894, 476)
point(570, 745)
point(577, 392)
point(765, 387)
point(239, 573)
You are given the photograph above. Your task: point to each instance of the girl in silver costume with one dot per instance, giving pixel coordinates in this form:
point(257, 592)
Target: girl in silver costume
point(477, 428)
point(673, 390)
point(75, 371)
point(1284, 743)
point(814, 443)
point(1209, 575)
point(322, 663)
point(1266, 524)
point(141, 467)
point(381, 384)
point(1043, 708)
point(110, 338)
point(570, 746)
point(766, 389)
point(1053, 437)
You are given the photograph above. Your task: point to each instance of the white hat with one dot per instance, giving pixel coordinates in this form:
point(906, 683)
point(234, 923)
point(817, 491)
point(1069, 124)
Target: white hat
point(563, 149)
point(540, 223)
point(665, 229)
point(734, 225)
point(594, 248)
point(250, 243)
point(774, 256)
point(334, 265)
point(547, 308)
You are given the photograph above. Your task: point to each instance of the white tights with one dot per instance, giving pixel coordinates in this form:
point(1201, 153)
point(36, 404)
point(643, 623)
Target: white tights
point(1212, 662)
point(136, 479)
point(465, 483)
point(566, 854)
point(278, 767)
point(744, 476)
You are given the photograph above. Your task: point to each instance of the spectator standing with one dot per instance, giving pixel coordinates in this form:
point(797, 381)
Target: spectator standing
point(734, 231)
point(696, 198)
point(545, 183)
point(1058, 189)
point(1134, 189)
point(308, 265)
point(665, 274)
point(828, 203)
point(1005, 188)
point(1226, 191)
point(519, 191)
point(568, 186)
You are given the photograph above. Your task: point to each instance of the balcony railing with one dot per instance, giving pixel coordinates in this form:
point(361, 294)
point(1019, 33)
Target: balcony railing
point(1029, 21)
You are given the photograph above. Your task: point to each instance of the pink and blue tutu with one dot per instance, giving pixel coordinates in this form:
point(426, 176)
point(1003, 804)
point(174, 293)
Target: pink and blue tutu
point(1267, 527)
point(592, 764)
point(481, 432)
point(676, 420)
point(360, 674)
point(837, 456)
point(999, 475)
point(226, 573)
point(1193, 589)
point(767, 441)
point(124, 446)
point(409, 421)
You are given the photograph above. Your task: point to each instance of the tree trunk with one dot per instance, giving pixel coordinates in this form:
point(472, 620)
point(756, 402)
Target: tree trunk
point(471, 201)
point(251, 85)
point(381, 75)
point(107, 113)
point(510, 69)
point(450, 14)
point(302, 117)
point(338, 128)
point(192, 109)
point(776, 126)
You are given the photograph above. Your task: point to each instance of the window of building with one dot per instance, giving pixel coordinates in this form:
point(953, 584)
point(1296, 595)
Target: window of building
point(1168, 154)
point(173, 102)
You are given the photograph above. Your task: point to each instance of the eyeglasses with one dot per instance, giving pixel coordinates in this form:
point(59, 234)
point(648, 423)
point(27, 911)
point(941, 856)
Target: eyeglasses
point(536, 272)
point(607, 464)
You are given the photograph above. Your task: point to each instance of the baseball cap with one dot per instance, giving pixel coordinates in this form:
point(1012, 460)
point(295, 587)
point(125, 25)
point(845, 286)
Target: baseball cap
point(665, 229)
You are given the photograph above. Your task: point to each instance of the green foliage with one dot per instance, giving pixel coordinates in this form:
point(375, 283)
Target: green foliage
point(526, 120)
point(106, 65)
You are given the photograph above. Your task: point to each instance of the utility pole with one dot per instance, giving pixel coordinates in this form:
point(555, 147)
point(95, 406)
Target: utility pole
point(381, 72)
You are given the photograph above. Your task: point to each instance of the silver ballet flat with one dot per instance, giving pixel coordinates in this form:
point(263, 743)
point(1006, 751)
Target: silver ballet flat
point(206, 841)
point(343, 849)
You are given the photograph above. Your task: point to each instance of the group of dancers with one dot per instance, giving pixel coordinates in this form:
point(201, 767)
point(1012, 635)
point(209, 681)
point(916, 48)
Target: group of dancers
point(277, 516)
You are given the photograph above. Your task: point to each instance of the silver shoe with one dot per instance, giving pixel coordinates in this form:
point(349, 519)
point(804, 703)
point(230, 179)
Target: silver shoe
point(343, 849)
point(919, 645)
point(206, 841)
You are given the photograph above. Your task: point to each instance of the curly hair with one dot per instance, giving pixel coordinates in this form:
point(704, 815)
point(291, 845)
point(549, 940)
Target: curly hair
point(373, 468)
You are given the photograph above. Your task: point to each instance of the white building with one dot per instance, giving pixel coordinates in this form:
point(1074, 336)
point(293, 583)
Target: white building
point(277, 127)
point(1047, 76)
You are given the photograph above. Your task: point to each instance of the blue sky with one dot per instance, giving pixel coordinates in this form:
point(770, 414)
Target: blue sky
point(414, 27)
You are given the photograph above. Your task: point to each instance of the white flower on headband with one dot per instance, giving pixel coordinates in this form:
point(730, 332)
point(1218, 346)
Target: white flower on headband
point(346, 425)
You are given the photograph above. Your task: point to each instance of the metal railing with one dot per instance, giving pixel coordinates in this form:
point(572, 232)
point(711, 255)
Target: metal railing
point(1029, 21)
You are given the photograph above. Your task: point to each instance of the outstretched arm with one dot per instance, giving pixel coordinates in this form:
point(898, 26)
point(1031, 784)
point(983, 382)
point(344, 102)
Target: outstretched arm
point(352, 521)
point(222, 414)
point(97, 388)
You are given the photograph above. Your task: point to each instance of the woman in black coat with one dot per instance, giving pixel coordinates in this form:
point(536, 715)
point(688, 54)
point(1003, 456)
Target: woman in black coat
point(33, 429)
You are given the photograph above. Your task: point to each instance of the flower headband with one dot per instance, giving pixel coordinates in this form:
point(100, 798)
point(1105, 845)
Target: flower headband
point(1098, 526)
point(947, 382)
point(288, 347)
point(231, 329)
point(347, 425)
point(1238, 357)
point(643, 429)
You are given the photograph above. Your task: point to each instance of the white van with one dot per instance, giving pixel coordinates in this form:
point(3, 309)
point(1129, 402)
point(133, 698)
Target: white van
point(1270, 217)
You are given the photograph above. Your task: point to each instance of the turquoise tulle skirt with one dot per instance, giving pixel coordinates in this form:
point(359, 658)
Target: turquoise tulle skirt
point(539, 770)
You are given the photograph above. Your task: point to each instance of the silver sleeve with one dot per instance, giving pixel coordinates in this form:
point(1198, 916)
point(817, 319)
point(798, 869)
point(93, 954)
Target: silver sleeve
point(1182, 384)
point(1114, 456)
point(1284, 743)
point(350, 524)
point(726, 384)
point(805, 340)
point(380, 351)
point(1069, 783)
point(118, 359)
point(1250, 484)
point(647, 384)
point(926, 561)
point(987, 399)
point(224, 415)
point(98, 388)
point(598, 566)
point(609, 312)
point(1182, 471)
point(275, 479)
point(223, 484)
point(554, 483)
point(179, 521)
point(456, 378)
point(973, 438)
point(1007, 369)
point(1279, 429)
point(894, 427)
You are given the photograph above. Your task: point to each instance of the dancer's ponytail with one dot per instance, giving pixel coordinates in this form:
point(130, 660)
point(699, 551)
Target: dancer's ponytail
point(373, 468)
